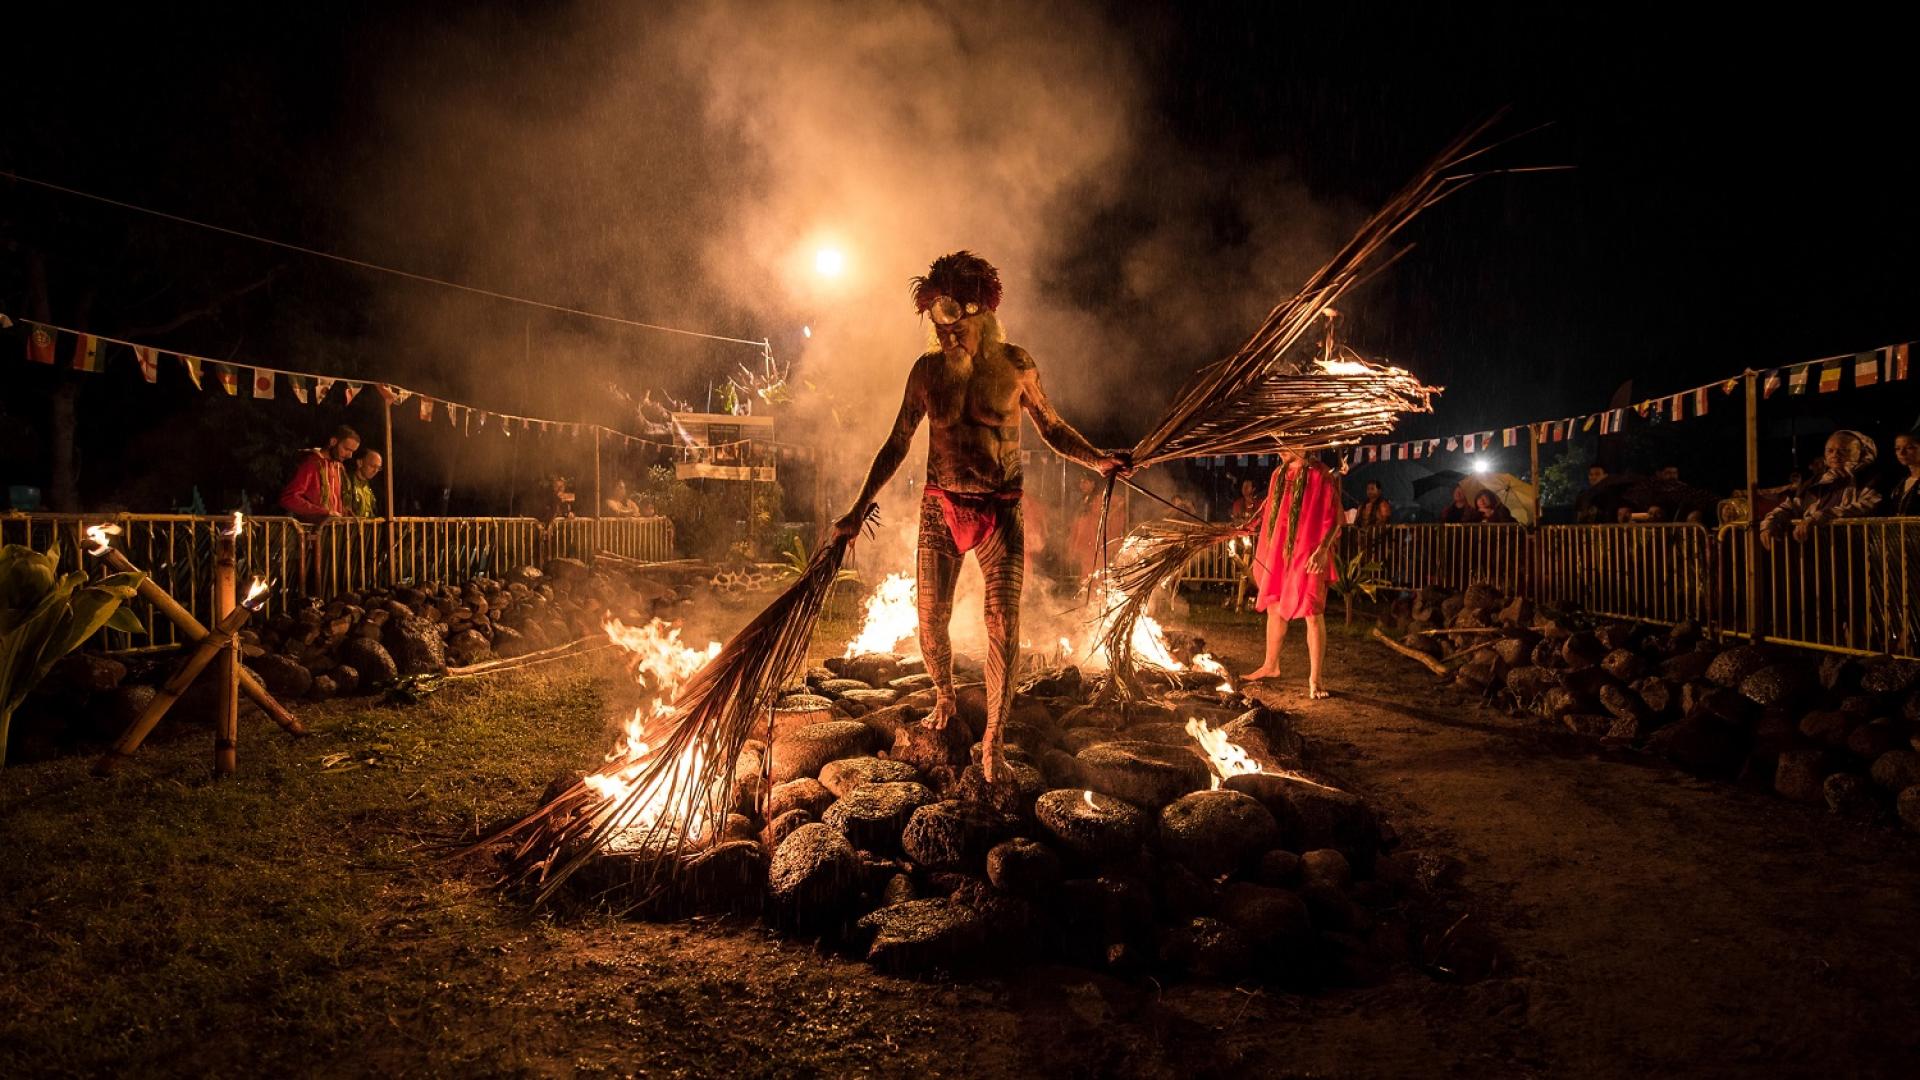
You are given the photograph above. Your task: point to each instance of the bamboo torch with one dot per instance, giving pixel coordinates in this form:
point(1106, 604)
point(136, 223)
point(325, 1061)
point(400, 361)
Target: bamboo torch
point(221, 637)
point(226, 725)
point(190, 626)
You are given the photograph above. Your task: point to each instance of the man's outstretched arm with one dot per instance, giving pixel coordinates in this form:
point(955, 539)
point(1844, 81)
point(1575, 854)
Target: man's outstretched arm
point(892, 453)
point(1056, 432)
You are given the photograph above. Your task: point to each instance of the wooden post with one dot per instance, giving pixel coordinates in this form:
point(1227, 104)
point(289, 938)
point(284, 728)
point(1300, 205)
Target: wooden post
point(393, 576)
point(226, 716)
point(196, 662)
point(598, 504)
point(181, 617)
point(1753, 506)
point(1533, 468)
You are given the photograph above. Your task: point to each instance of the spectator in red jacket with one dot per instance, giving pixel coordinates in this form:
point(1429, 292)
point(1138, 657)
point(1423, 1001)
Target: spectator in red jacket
point(317, 490)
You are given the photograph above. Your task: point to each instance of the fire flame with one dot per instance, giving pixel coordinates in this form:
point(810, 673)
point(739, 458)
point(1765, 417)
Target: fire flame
point(100, 535)
point(1226, 756)
point(1088, 795)
point(891, 617)
point(255, 592)
point(239, 524)
point(661, 663)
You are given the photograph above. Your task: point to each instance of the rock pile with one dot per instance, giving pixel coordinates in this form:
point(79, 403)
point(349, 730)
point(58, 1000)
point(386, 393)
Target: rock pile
point(1106, 844)
point(1832, 730)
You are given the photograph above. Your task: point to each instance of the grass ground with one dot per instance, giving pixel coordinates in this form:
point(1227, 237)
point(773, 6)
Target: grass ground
point(294, 920)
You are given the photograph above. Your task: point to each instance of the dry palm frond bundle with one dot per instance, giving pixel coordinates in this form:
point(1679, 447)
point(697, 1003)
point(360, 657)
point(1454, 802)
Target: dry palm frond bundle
point(1152, 557)
point(1267, 394)
point(687, 781)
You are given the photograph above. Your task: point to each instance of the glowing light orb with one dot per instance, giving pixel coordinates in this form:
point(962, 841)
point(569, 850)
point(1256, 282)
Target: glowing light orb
point(806, 331)
point(829, 262)
point(1482, 465)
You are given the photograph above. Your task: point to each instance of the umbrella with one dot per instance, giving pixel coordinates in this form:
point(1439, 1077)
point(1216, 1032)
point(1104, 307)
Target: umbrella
point(1439, 479)
point(1514, 493)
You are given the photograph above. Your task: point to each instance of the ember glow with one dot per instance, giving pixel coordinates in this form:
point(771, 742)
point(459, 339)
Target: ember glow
point(661, 663)
point(891, 617)
point(1206, 662)
point(101, 535)
point(1224, 755)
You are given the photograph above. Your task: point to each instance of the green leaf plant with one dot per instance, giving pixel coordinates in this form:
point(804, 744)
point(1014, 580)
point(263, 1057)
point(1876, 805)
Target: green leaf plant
point(45, 615)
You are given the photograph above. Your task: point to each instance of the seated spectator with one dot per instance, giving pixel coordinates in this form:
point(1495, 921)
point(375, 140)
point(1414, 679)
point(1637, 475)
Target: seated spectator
point(317, 490)
point(620, 504)
point(360, 499)
point(1602, 501)
point(1490, 511)
point(556, 501)
point(1901, 497)
point(1460, 512)
point(1375, 509)
point(1249, 498)
point(1839, 492)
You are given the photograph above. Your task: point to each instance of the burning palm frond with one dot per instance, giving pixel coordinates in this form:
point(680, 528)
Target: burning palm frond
point(1152, 557)
point(682, 793)
point(1266, 396)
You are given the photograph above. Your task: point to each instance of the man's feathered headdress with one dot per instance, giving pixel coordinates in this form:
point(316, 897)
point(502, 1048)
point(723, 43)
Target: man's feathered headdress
point(968, 278)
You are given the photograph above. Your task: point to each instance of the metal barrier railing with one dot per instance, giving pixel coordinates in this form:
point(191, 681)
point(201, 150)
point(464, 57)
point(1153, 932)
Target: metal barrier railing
point(176, 550)
point(1853, 585)
point(1656, 572)
point(344, 555)
point(1449, 556)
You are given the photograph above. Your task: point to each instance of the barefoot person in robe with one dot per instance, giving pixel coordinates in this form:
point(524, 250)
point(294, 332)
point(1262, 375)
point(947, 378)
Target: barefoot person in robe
point(971, 386)
point(1293, 561)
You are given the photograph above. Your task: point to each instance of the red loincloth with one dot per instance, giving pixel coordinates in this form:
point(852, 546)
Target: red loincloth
point(972, 516)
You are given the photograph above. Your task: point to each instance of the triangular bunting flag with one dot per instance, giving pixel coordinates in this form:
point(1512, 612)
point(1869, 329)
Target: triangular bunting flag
point(1675, 410)
point(262, 383)
point(40, 343)
point(1730, 385)
point(320, 388)
point(298, 384)
point(149, 358)
point(86, 353)
point(1453, 442)
point(1769, 383)
point(192, 364)
point(349, 392)
point(1510, 437)
point(228, 376)
point(426, 407)
point(393, 395)
point(1866, 369)
point(1797, 379)
point(1591, 420)
point(1700, 402)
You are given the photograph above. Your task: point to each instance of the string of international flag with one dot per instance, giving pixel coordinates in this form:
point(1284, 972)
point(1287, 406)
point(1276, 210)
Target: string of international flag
point(1825, 375)
point(89, 354)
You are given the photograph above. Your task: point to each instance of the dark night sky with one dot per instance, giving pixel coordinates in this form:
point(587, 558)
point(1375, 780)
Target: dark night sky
point(1744, 192)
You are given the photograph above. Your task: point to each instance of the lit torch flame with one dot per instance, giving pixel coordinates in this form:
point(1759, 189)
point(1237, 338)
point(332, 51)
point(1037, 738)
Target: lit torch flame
point(239, 523)
point(100, 535)
point(255, 593)
point(892, 617)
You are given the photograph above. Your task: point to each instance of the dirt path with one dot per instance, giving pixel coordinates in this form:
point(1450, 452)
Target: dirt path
point(1659, 924)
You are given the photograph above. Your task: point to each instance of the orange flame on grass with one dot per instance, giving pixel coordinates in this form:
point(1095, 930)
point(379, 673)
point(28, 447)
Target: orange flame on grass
point(661, 663)
point(892, 617)
point(101, 536)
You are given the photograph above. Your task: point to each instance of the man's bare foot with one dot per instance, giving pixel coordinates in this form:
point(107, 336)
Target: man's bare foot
point(1262, 672)
point(990, 765)
point(943, 712)
point(1315, 690)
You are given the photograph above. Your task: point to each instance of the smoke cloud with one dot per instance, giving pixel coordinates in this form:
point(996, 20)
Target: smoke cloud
point(687, 163)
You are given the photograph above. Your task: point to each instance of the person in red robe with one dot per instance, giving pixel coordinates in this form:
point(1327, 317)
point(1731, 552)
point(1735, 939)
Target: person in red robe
point(1298, 524)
